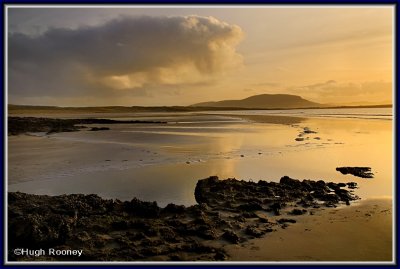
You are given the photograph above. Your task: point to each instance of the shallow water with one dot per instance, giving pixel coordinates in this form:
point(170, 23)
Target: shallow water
point(357, 113)
point(163, 162)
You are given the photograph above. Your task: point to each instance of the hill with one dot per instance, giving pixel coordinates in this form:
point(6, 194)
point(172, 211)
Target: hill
point(264, 101)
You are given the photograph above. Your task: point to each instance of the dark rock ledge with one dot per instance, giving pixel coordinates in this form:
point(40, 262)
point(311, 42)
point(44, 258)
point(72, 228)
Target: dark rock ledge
point(363, 172)
point(20, 125)
point(228, 212)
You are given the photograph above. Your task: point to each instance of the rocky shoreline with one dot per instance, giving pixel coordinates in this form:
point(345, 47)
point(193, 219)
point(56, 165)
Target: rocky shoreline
point(228, 212)
point(20, 125)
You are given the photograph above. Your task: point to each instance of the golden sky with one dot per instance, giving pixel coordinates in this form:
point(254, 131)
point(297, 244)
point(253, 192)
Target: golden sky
point(180, 56)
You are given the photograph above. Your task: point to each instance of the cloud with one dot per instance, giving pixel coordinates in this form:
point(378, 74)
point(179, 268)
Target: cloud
point(333, 91)
point(122, 55)
point(268, 84)
point(330, 84)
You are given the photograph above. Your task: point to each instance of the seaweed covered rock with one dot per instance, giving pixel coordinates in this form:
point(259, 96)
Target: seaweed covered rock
point(143, 209)
point(239, 195)
point(112, 230)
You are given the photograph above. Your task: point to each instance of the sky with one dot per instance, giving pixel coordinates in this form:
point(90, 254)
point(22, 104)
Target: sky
point(162, 56)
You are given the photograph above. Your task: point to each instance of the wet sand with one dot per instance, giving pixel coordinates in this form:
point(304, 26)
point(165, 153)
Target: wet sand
point(357, 233)
point(272, 119)
point(128, 161)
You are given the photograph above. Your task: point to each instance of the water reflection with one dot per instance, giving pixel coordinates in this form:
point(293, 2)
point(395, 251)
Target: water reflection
point(163, 163)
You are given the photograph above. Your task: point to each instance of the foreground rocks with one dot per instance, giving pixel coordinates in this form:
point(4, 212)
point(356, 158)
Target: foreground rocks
point(19, 125)
point(228, 212)
point(363, 172)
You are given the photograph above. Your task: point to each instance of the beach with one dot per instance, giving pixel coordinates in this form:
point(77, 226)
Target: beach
point(183, 135)
point(163, 163)
point(359, 233)
point(231, 219)
point(130, 160)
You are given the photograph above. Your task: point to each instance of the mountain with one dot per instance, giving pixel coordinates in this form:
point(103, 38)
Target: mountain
point(264, 101)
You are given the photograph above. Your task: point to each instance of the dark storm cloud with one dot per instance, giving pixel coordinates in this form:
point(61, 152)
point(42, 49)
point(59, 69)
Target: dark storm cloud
point(123, 54)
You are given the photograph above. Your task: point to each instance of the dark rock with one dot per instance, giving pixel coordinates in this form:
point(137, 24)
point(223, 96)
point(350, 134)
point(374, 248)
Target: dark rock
point(307, 130)
point(344, 195)
point(173, 209)
point(252, 206)
point(150, 252)
point(330, 204)
point(286, 221)
point(363, 172)
point(136, 230)
point(196, 247)
point(352, 185)
point(206, 232)
point(38, 230)
point(175, 257)
point(202, 219)
point(202, 186)
point(276, 207)
point(120, 225)
point(254, 231)
point(151, 231)
point(19, 125)
point(143, 209)
point(308, 185)
point(249, 215)
point(231, 236)
point(320, 184)
point(99, 129)
point(168, 234)
point(306, 202)
point(220, 256)
point(333, 198)
point(240, 218)
point(333, 186)
point(298, 211)
point(290, 182)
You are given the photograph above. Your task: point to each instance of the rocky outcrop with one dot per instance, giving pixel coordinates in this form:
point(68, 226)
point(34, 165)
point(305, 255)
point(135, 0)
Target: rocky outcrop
point(363, 172)
point(19, 125)
point(269, 196)
point(228, 211)
point(99, 129)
